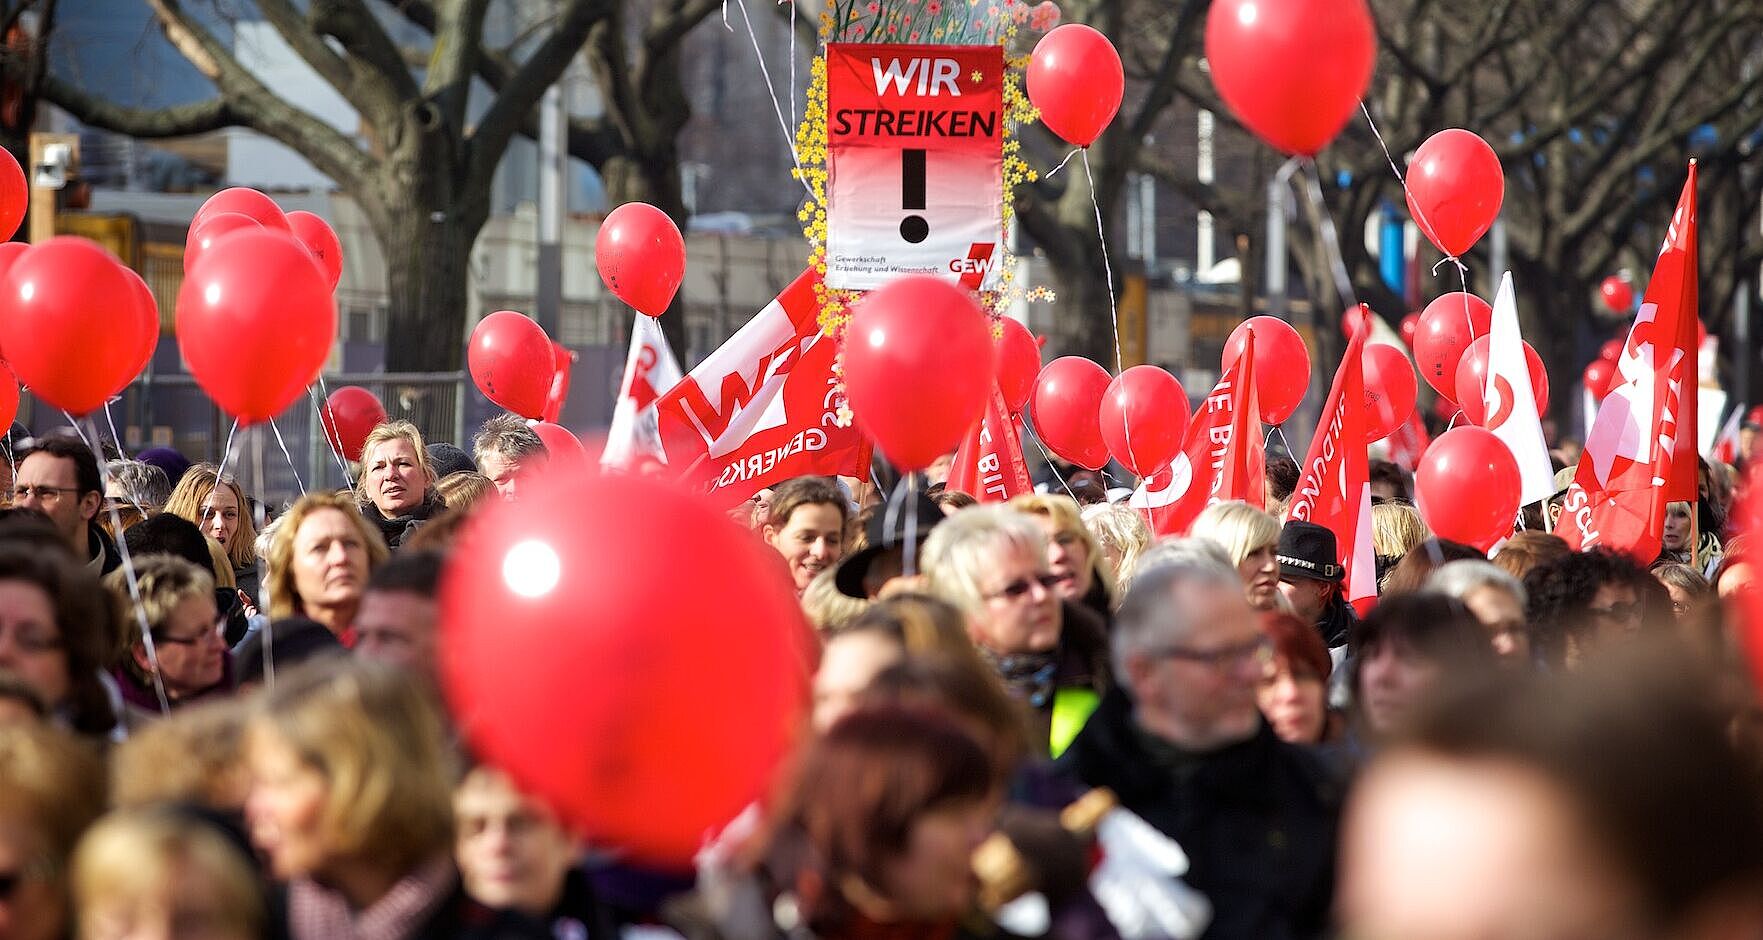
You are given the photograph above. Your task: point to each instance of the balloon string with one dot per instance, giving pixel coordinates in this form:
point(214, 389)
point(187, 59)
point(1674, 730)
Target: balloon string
point(1487, 374)
point(226, 454)
point(295, 470)
point(127, 493)
point(791, 90)
point(771, 92)
point(1407, 194)
point(1279, 430)
point(128, 563)
point(1107, 269)
point(1331, 239)
point(909, 560)
point(336, 450)
point(1036, 437)
point(1055, 171)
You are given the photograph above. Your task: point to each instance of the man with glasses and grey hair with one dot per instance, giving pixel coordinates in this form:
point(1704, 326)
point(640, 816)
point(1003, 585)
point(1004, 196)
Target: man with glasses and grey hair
point(506, 450)
point(1181, 744)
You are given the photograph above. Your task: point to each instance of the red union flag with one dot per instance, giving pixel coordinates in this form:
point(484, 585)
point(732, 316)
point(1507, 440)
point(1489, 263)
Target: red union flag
point(915, 163)
point(1334, 481)
point(1641, 452)
point(1222, 460)
point(989, 465)
point(649, 370)
point(762, 408)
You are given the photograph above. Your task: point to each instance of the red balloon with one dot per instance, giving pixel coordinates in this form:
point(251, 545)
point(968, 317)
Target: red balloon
point(1354, 319)
point(1067, 410)
point(146, 324)
point(1618, 294)
point(321, 240)
point(1447, 327)
point(512, 362)
point(349, 414)
point(1143, 416)
point(1292, 71)
point(212, 229)
point(71, 329)
point(919, 366)
point(1468, 487)
point(1390, 390)
point(8, 397)
point(1282, 365)
point(1019, 362)
point(1599, 376)
point(641, 257)
point(1611, 351)
point(565, 449)
point(657, 720)
point(1075, 79)
point(10, 252)
point(255, 322)
point(1455, 187)
point(15, 195)
point(245, 201)
point(1410, 328)
point(1472, 372)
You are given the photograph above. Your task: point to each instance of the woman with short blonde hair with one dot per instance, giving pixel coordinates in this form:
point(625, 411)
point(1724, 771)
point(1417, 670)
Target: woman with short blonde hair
point(396, 490)
point(317, 525)
point(1250, 539)
point(159, 872)
point(1122, 536)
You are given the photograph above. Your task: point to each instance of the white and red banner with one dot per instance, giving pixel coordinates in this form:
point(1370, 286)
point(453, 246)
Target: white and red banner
point(1510, 403)
point(1223, 459)
point(1641, 453)
point(649, 370)
point(989, 466)
point(762, 408)
point(915, 163)
point(1334, 480)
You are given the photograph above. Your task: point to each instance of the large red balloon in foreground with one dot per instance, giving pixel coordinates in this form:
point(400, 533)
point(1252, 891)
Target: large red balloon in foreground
point(641, 257)
point(1455, 186)
point(1447, 326)
point(1143, 417)
point(628, 655)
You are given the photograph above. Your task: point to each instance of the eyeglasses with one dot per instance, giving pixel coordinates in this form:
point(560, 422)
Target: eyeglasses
point(37, 640)
point(1618, 612)
point(1021, 586)
point(43, 494)
point(1258, 651)
point(208, 636)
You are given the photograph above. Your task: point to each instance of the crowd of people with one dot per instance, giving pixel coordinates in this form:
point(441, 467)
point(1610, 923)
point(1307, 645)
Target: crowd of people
point(222, 719)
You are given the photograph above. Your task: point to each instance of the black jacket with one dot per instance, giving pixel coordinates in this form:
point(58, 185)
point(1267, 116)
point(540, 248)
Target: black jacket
point(1337, 622)
point(458, 918)
point(398, 528)
point(1257, 819)
point(100, 545)
point(1080, 661)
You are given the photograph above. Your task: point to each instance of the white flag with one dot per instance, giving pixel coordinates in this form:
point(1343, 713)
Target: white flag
point(649, 372)
point(1510, 405)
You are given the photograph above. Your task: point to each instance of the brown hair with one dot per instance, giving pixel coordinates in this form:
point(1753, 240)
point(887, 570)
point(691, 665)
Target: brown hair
point(162, 582)
point(192, 491)
point(86, 620)
point(284, 599)
point(1410, 574)
point(949, 500)
point(1298, 644)
point(806, 491)
point(51, 783)
point(956, 684)
point(920, 623)
point(463, 489)
point(190, 756)
point(1528, 549)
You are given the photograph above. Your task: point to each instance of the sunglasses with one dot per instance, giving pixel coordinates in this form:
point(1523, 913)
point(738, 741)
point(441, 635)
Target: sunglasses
point(1021, 586)
point(1622, 612)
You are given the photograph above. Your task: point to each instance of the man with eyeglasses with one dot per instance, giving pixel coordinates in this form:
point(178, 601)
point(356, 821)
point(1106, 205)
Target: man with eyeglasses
point(59, 478)
point(1181, 744)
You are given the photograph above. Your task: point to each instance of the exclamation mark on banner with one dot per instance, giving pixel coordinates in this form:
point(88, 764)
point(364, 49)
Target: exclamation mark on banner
point(913, 228)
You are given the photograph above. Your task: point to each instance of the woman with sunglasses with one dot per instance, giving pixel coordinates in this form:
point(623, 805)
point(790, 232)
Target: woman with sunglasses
point(57, 626)
point(190, 658)
point(1052, 654)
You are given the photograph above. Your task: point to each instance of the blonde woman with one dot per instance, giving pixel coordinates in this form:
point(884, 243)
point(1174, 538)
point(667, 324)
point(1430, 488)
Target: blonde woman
point(1396, 529)
point(1072, 553)
point(319, 562)
point(1250, 539)
point(396, 491)
point(164, 873)
point(217, 505)
point(463, 490)
point(1122, 536)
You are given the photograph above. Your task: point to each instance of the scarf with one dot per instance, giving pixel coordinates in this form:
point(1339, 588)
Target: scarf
point(397, 528)
point(1028, 676)
point(316, 912)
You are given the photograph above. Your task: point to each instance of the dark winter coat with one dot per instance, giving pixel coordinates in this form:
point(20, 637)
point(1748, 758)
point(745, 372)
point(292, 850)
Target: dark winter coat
point(398, 528)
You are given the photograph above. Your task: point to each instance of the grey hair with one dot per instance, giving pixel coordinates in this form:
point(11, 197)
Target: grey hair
point(1458, 579)
point(147, 486)
point(963, 547)
point(1147, 614)
point(507, 436)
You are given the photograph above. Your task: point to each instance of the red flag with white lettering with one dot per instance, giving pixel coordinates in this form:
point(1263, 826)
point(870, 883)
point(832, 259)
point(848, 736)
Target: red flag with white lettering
point(649, 370)
point(1223, 458)
point(1334, 481)
point(763, 407)
point(1641, 453)
point(989, 465)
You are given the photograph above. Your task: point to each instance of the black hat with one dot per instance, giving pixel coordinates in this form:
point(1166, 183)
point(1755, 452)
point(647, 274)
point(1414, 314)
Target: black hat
point(1307, 550)
point(448, 458)
point(886, 530)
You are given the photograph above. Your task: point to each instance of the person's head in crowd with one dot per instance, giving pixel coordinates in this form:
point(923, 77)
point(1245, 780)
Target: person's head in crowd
point(173, 464)
point(1676, 540)
point(1610, 803)
point(59, 477)
point(885, 811)
point(447, 459)
point(164, 872)
point(1086, 487)
point(761, 509)
point(1736, 570)
point(171, 534)
point(1689, 590)
point(137, 485)
point(219, 507)
point(117, 520)
point(285, 643)
point(1250, 538)
point(1528, 549)
point(19, 702)
point(465, 489)
point(1281, 474)
point(1390, 481)
point(350, 779)
point(952, 681)
point(882, 635)
point(991, 563)
point(1293, 689)
point(1190, 652)
point(1405, 650)
point(57, 631)
point(827, 607)
point(396, 479)
point(189, 655)
point(938, 471)
point(1310, 573)
point(1496, 599)
point(400, 611)
point(1122, 536)
point(877, 555)
point(1581, 600)
point(807, 526)
point(1396, 529)
point(507, 450)
point(1410, 574)
point(511, 850)
point(1072, 553)
point(191, 757)
point(1722, 483)
point(323, 553)
point(953, 501)
point(51, 789)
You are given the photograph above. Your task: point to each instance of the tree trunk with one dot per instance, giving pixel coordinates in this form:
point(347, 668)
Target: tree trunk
point(427, 270)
